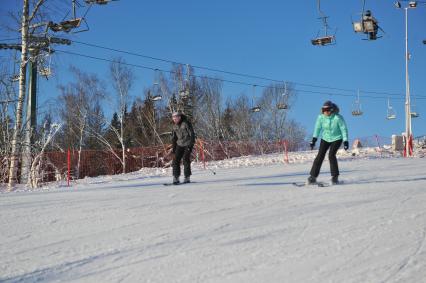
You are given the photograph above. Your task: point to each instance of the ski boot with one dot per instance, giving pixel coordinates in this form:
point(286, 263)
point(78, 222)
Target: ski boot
point(176, 181)
point(335, 180)
point(186, 180)
point(311, 180)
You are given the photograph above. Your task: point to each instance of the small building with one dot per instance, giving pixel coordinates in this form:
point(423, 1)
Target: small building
point(397, 143)
point(356, 144)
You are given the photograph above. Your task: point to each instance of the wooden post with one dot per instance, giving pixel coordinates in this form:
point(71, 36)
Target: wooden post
point(285, 151)
point(202, 153)
point(69, 167)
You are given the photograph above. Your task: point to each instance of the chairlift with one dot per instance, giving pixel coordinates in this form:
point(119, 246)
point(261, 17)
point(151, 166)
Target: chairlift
point(325, 39)
point(282, 105)
point(184, 93)
point(156, 88)
point(356, 110)
point(71, 24)
point(46, 71)
point(98, 2)
point(390, 112)
point(413, 112)
point(15, 78)
point(156, 98)
point(254, 108)
point(367, 24)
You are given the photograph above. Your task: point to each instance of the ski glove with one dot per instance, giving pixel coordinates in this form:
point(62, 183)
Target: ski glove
point(346, 145)
point(312, 143)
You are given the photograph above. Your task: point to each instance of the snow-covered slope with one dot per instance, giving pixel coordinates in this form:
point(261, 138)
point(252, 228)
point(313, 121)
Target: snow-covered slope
point(244, 224)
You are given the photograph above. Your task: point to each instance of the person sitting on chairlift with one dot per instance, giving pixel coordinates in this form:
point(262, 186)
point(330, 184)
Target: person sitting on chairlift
point(367, 17)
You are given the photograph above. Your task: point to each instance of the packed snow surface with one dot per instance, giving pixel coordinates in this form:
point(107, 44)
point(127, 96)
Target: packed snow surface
point(247, 223)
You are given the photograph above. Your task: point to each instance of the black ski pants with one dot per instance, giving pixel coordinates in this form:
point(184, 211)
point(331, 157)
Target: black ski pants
point(324, 146)
point(182, 153)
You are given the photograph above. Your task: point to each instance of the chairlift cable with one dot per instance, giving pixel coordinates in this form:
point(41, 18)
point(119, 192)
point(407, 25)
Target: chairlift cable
point(223, 80)
point(230, 72)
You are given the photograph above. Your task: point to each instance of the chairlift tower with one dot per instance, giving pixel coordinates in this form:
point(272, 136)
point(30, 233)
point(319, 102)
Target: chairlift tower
point(408, 128)
point(35, 46)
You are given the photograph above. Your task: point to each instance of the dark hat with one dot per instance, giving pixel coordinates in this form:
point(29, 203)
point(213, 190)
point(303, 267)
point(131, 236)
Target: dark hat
point(328, 104)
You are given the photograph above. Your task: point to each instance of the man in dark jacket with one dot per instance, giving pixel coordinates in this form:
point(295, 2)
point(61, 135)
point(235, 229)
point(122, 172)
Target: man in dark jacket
point(183, 140)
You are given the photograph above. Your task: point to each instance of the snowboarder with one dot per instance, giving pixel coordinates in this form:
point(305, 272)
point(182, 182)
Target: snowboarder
point(333, 128)
point(183, 140)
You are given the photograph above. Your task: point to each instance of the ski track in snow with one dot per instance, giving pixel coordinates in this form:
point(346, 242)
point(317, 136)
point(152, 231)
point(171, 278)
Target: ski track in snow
point(247, 223)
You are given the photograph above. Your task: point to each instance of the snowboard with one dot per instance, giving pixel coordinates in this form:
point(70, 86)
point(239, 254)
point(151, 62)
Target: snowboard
point(178, 184)
point(318, 184)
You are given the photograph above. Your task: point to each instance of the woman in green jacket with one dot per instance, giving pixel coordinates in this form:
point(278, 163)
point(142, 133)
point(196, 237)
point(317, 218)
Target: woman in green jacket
point(333, 131)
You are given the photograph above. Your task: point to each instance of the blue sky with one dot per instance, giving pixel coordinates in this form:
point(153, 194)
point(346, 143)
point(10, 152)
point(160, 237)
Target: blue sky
point(264, 38)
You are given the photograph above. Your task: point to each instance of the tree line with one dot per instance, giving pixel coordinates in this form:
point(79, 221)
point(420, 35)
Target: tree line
point(78, 120)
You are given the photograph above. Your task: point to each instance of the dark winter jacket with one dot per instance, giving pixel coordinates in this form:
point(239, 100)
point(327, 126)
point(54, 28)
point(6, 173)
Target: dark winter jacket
point(183, 134)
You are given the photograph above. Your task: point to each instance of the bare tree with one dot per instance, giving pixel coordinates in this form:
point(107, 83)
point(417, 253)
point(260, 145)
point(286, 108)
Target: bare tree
point(274, 102)
point(21, 97)
point(27, 27)
point(122, 80)
point(37, 172)
point(80, 112)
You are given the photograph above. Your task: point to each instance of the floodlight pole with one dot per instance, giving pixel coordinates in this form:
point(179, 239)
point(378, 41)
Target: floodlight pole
point(408, 132)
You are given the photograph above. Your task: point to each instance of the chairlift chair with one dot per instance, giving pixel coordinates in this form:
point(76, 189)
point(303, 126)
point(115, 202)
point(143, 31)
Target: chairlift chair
point(390, 112)
point(65, 26)
point(325, 39)
point(156, 97)
point(15, 78)
point(282, 105)
point(367, 24)
point(98, 2)
point(356, 110)
point(413, 112)
point(255, 108)
point(71, 24)
point(156, 88)
point(185, 93)
point(45, 71)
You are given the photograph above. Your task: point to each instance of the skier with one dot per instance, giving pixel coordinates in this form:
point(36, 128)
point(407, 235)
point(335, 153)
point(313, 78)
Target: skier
point(368, 18)
point(334, 131)
point(183, 140)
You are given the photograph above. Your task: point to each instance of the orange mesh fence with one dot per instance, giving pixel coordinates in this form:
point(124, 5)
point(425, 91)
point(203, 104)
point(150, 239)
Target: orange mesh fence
point(91, 163)
point(54, 166)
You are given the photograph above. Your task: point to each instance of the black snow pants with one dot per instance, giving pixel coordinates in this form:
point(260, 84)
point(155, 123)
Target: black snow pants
point(324, 146)
point(185, 154)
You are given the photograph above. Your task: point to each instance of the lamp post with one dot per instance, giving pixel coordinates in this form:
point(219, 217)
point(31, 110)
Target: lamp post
point(408, 132)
